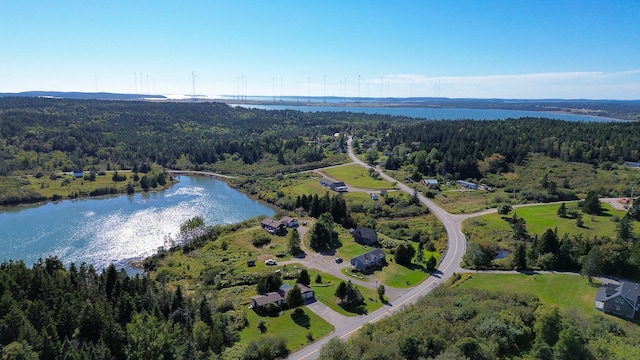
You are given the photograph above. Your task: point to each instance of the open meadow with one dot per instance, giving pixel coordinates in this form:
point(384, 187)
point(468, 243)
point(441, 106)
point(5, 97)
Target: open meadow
point(357, 176)
point(539, 218)
point(524, 184)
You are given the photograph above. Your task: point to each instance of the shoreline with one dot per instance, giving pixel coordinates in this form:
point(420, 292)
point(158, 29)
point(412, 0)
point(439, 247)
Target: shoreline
point(413, 105)
point(48, 200)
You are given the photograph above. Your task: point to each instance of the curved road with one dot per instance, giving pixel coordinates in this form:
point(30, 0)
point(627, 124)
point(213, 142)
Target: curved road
point(450, 263)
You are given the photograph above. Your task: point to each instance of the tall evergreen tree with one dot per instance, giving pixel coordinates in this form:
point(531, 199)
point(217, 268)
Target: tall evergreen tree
point(519, 260)
point(591, 204)
point(562, 211)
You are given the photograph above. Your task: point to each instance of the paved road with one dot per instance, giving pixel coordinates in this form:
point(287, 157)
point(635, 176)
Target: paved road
point(326, 262)
point(450, 263)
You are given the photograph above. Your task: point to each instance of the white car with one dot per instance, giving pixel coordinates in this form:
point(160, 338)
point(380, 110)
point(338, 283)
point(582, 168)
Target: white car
point(270, 262)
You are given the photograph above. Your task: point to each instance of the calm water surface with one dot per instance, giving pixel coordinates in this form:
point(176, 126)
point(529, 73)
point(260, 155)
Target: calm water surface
point(437, 113)
point(117, 229)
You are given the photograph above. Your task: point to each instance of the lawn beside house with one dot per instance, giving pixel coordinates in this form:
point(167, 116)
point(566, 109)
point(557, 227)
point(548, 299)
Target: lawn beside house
point(294, 329)
point(357, 176)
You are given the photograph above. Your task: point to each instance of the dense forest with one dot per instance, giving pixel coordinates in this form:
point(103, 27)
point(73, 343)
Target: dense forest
point(50, 312)
point(45, 135)
point(470, 149)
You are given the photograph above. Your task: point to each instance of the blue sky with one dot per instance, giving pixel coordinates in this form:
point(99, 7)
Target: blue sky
point(481, 49)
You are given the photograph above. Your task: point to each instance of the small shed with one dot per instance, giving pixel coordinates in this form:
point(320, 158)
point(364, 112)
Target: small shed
point(251, 263)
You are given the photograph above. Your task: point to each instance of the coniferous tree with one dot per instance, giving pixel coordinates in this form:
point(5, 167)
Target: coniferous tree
point(294, 242)
point(562, 211)
point(591, 204)
point(294, 297)
point(303, 277)
point(625, 228)
point(519, 260)
point(341, 291)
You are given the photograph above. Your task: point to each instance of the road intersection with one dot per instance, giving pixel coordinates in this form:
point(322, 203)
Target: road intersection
point(450, 263)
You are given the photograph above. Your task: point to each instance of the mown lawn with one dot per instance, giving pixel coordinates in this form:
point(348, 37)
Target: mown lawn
point(400, 276)
point(293, 329)
point(325, 293)
point(306, 187)
point(565, 291)
point(539, 218)
point(351, 249)
point(358, 176)
point(543, 217)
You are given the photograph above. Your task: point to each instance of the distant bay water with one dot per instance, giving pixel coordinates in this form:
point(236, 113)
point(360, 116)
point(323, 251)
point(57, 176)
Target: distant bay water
point(118, 229)
point(436, 113)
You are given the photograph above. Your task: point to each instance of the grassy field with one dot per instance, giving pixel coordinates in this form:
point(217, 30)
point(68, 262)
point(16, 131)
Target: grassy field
point(400, 276)
point(572, 294)
point(461, 201)
point(357, 176)
point(294, 329)
point(306, 187)
point(325, 293)
point(67, 185)
point(525, 180)
point(186, 269)
point(542, 217)
point(565, 291)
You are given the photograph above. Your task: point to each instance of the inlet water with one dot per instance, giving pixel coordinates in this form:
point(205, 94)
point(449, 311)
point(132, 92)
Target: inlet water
point(118, 229)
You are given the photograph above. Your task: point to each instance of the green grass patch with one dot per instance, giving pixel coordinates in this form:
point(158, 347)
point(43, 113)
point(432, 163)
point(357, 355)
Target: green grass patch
point(400, 276)
point(293, 329)
point(461, 201)
point(306, 187)
point(539, 218)
point(358, 197)
point(67, 186)
point(358, 176)
point(564, 291)
point(524, 184)
point(325, 293)
point(350, 248)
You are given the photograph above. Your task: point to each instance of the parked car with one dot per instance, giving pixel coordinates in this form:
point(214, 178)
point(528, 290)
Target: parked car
point(270, 262)
point(338, 260)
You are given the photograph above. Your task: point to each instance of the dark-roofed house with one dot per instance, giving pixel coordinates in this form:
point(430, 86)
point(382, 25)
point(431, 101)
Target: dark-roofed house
point(369, 261)
point(279, 297)
point(338, 186)
point(289, 222)
point(365, 236)
point(273, 226)
point(621, 300)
